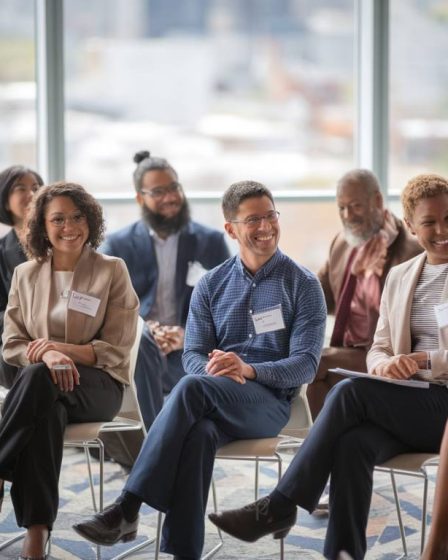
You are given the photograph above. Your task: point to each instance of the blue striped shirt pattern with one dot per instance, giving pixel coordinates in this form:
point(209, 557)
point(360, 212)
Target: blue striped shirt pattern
point(220, 317)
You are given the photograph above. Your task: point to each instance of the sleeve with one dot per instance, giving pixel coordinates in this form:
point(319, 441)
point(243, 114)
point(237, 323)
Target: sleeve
point(15, 335)
point(381, 349)
point(117, 334)
point(439, 364)
point(305, 343)
point(200, 334)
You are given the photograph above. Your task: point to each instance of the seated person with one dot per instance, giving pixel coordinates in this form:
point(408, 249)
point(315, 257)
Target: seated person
point(17, 186)
point(166, 253)
point(365, 422)
point(69, 326)
point(254, 334)
point(372, 241)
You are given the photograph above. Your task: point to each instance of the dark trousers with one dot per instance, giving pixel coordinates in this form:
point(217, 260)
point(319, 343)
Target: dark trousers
point(35, 413)
point(8, 373)
point(362, 424)
point(174, 469)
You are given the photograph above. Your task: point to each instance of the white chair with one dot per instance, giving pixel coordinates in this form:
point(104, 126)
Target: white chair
point(261, 450)
point(416, 465)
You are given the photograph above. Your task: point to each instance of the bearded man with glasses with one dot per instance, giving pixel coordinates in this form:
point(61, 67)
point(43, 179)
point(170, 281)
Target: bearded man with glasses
point(166, 254)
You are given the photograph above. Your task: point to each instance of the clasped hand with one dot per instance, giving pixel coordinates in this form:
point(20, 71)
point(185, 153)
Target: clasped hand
point(168, 338)
point(43, 350)
point(229, 364)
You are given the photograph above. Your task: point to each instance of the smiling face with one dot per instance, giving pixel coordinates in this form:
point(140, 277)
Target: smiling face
point(257, 242)
point(361, 213)
point(167, 200)
point(66, 228)
point(429, 223)
point(20, 197)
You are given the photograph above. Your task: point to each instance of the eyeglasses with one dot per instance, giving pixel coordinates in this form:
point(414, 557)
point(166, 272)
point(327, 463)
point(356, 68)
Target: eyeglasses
point(160, 192)
point(61, 221)
point(255, 221)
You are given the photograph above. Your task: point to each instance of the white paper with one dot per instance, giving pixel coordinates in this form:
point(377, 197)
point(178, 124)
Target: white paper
point(195, 272)
point(406, 382)
point(83, 303)
point(441, 314)
point(269, 320)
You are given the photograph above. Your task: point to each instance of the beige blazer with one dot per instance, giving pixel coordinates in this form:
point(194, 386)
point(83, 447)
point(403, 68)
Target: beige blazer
point(111, 332)
point(393, 332)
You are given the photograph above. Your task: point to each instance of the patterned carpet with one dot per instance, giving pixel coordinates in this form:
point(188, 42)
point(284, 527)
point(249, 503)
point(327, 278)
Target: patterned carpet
point(234, 481)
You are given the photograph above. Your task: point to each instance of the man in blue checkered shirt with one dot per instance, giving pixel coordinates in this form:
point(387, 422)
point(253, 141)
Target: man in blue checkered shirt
point(254, 334)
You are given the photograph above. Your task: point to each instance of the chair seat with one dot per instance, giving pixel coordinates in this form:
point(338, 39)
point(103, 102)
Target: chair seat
point(89, 431)
point(410, 462)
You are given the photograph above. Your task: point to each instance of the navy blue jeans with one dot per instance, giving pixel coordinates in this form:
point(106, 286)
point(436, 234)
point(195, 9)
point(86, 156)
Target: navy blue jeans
point(174, 469)
point(362, 424)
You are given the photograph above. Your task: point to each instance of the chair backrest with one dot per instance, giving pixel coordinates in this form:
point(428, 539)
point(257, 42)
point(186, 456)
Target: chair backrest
point(300, 420)
point(130, 407)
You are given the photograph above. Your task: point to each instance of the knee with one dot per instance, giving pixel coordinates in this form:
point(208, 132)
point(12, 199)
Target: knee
point(189, 386)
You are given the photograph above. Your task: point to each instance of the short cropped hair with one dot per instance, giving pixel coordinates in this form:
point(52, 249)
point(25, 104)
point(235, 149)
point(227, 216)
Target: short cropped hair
point(37, 245)
point(145, 162)
point(238, 193)
point(363, 176)
point(8, 178)
point(422, 186)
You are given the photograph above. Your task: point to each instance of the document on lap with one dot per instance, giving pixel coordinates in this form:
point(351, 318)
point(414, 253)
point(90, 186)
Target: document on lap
point(406, 382)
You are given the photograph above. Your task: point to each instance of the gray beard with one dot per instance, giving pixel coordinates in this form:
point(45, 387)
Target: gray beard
point(356, 240)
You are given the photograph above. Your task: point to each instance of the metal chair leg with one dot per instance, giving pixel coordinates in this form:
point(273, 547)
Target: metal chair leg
point(400, 520)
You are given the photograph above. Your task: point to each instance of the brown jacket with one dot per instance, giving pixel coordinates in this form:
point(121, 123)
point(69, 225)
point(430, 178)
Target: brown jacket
point(393, 332)
point(331, 274)
point(111, 332)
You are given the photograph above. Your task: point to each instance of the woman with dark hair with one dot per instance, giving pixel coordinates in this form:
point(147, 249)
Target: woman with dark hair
point(69, 326)
point(17, 186)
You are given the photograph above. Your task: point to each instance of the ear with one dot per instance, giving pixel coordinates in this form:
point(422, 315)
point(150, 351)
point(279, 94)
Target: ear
point(409, 226)
point(228, 226)
point(379, 200)
point(139, 199)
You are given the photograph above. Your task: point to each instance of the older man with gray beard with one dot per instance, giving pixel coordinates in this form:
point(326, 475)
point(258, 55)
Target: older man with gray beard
point(372, 241)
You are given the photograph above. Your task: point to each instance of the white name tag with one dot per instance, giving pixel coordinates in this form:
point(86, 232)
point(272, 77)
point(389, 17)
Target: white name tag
point(83, 303)
point(269, 320)
point(441, 314)
point(195, 272)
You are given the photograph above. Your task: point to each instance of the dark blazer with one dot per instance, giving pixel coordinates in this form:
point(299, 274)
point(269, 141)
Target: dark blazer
point(11, 255)
point(134, 245)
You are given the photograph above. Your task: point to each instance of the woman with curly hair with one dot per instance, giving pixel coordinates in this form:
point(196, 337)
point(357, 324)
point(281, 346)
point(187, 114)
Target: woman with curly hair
point(69, 326)
point(17, 186)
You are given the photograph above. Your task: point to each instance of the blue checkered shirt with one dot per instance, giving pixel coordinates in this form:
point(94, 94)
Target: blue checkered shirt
point(220, 318)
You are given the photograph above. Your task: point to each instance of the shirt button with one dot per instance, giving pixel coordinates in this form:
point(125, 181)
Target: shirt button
point(250, 336)
point(254, 285)
point(250, 311)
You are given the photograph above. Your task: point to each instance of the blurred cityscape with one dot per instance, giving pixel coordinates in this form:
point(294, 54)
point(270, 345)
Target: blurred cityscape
point(226, 90)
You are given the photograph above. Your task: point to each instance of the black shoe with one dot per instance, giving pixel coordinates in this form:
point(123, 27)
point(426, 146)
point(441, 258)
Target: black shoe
point(253, 521)
point(108, 527)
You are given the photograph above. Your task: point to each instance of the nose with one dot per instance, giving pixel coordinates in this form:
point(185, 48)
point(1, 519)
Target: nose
point(264, 224)
point(440, 227)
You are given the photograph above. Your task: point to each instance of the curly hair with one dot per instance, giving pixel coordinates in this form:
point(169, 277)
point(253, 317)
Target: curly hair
point(37, 245)
point(419, 187)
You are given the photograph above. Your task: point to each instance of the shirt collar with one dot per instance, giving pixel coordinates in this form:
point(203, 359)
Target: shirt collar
point(265, 270)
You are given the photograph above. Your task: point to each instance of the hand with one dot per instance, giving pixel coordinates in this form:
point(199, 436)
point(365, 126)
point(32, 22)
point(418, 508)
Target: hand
point(65, 379)
point(174, 337)
point(371, 258)
point(37, 348)
point(229, 364)
point(401, 366)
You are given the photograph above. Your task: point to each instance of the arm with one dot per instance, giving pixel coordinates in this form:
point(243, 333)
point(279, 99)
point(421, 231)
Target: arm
point(324, 279)
point(200, 337)
point(305, 342)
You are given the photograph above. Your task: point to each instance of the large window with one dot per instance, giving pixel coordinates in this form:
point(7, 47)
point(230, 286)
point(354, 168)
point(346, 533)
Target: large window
point(226, 90)
point(418, 89)
point(17, 83)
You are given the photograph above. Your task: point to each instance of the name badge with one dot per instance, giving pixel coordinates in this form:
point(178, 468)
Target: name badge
point(441, 314)
point(195, 272)
point(269, 320)
point(84, 303)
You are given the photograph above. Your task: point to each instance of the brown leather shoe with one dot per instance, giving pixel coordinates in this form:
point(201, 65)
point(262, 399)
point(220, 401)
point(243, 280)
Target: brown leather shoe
point(108, 527)
point(253, 521)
